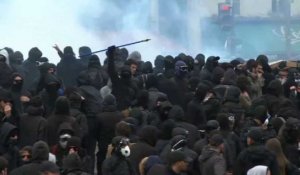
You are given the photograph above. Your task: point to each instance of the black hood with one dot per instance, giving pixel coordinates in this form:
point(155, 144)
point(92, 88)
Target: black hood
point(211, 63)
point(65, 128)
point(71, 162)
point(34, 54)
point(5, 131)
point(40, 151)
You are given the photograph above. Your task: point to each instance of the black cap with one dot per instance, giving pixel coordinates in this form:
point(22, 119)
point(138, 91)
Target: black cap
point(177, 156)
point(256, 134)
point(48, 166)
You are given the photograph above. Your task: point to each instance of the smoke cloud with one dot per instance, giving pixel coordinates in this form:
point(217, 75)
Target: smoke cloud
point(94, 23)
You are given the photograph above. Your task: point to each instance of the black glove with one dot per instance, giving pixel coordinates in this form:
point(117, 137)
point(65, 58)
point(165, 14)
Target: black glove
point(111, 52)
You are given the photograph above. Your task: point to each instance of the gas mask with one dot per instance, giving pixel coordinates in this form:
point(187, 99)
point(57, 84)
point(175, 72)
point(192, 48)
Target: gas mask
point(123, 148)
point(125, 151)
point(63, 140)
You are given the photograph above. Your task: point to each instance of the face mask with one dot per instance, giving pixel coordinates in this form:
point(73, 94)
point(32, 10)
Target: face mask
point(125, 151)
point(63, 140)
point(63, 144)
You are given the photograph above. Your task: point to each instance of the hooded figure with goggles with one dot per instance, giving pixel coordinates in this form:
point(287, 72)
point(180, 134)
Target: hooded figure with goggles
point(118, 163)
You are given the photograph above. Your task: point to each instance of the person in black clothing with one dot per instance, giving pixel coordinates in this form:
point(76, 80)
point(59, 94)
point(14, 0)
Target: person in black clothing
point(50, 93)
point(255, 154)
point(19, 95)
point(177, 114)
point(91, 107)
point(72, 165)
point(69, 67)
point(195, 112)
point(145, 146)
point(76, 100)
point(8, 144)
point(122, 87)
point(118, 163)
point(33, 126)
point(61, 115)
point(31, 69)
point(207, 72)
point(106, 123)
point(97, 74)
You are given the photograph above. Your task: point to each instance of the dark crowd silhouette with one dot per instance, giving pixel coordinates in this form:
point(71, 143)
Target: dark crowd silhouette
point(180, 116)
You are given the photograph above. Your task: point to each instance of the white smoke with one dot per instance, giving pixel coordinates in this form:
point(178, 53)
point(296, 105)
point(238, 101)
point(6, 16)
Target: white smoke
point(96, 23)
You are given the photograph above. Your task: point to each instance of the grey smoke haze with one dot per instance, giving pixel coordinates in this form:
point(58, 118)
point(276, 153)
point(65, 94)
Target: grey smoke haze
point(95, 23)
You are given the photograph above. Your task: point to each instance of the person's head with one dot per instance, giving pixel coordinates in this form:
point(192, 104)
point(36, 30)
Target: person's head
point(34, 54)
point(283, 75)
point(68, 52)
point(49, 168)
point(26, 154)
point(3, 166)
point(201, 92)
point(255, 136)
point(181, 68)
point(178, 161)
point(133, 66)
point(159, 62)
point(257, 68)
point(94, 61)
point(62, 106)
point(121, 146)
point(17, 81)
point(123, 129)
point(74, 145)
point(217, 141)
point(126, 73)
point(4, 56)
point(40, 151)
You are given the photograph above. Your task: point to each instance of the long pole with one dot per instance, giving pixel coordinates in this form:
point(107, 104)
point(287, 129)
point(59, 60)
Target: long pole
point(128, 44)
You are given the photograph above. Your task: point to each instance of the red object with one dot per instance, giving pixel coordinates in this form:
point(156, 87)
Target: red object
point(225, 7)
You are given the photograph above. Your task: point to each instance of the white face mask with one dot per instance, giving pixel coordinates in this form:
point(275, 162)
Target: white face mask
point(63, 140)
point(63, 144)
point(125, 151)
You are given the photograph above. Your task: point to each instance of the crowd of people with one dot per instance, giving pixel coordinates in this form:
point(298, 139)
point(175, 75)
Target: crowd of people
point(180, 116)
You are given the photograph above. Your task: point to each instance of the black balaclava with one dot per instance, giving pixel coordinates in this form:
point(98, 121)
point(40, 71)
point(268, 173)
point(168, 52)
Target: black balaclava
point(34, 54)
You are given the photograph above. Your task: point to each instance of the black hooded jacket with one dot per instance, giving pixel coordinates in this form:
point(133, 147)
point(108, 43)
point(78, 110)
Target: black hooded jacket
point(123, 87)
point(31, 69)
point(68, 69)
point(92, 103)
point(253, 156)
point(7, 150)
point(33, 126)
point(106, 121)
point(54, 123)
